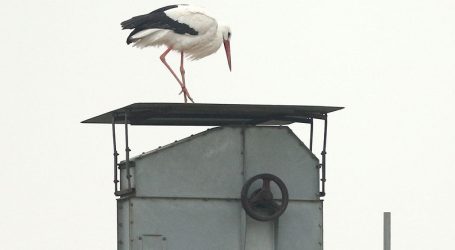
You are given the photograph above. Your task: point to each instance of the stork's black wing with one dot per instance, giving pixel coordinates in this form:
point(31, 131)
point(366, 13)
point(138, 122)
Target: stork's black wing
point(156, 19)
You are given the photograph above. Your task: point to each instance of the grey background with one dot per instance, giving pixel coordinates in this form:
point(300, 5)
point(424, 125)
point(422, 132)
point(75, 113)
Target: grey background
point(389, 62)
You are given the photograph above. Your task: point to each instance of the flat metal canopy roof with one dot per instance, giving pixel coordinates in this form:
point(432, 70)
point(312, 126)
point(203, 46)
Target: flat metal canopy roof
point(201, 114)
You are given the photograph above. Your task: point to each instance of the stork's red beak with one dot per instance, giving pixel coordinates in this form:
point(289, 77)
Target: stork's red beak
point(227, 47)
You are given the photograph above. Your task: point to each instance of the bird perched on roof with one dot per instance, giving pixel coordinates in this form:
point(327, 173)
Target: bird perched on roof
point(184, 28)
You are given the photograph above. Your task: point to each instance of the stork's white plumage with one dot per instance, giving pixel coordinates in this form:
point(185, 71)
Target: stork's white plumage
point(185, 28)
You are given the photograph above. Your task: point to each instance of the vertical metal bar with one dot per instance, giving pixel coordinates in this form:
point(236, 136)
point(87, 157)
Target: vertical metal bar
point(276, 227)
point(322, 224)
point(323, 153)
point(127, 153)
point(243, 227)
point(387, 230)
point(311, 135)
point(116, 181)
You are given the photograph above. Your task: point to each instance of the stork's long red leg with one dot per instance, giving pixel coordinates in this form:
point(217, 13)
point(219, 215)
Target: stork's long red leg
point(182, 72)
point(163, 59)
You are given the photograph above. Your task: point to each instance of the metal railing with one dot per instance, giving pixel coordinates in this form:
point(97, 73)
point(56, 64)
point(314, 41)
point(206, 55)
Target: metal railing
point(130, 189)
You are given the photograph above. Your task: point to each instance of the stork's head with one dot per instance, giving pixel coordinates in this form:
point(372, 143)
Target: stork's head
point(226, 33)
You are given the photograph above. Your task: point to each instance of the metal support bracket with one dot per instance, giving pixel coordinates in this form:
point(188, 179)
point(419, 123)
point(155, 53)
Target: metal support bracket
point(311, 135)
point(116, 181)
point(323, 163)
point(127, 153)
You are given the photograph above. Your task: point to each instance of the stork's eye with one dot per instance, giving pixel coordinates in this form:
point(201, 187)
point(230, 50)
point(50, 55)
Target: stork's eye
point(229, 34)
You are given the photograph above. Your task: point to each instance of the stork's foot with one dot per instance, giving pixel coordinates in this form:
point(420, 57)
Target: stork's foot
point(186, 94)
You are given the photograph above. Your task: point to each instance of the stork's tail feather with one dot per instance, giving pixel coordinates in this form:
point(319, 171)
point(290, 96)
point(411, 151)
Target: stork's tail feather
point(133, 22)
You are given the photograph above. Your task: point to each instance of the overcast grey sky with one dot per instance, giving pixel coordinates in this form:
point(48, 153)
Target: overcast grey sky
point(390, 63)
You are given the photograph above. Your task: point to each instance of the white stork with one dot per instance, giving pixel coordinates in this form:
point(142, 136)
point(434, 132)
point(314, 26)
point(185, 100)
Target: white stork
point(183, 28)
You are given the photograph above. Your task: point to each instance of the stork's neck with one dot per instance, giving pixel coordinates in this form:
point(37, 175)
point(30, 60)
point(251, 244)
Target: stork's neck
point(208, 43)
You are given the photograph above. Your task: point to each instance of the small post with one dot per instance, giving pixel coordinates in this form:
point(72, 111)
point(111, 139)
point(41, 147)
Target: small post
point(387, 230)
